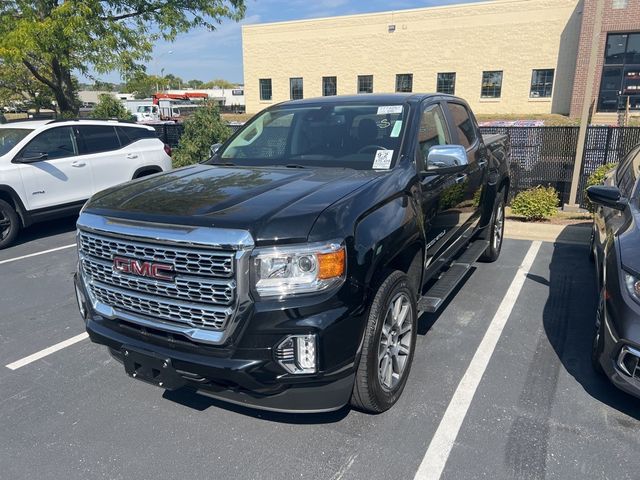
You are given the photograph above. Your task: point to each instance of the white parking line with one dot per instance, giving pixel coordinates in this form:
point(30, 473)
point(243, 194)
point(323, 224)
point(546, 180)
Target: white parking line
point(47, 351)
point(442, 442)
point(15, 259)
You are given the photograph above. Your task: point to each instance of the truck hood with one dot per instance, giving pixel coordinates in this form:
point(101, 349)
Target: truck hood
point(275, 204)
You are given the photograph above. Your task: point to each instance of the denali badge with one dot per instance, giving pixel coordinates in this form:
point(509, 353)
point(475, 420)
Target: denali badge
point(143, 269)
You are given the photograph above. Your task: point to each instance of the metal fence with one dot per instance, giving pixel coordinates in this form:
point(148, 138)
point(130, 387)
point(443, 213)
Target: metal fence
point(546, 155)
point(539, 155)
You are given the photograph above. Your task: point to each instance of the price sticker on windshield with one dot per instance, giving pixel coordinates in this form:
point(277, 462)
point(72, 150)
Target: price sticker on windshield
point(383, 160)
point(389, 109)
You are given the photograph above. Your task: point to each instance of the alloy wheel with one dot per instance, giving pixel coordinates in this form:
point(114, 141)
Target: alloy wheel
point(5, 225)
point(395, 341)
point(498, 227)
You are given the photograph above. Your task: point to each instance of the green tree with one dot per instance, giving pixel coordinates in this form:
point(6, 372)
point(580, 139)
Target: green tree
point(219, 83)
point(195, 83)
point(17, 86)
point(109, 107)
point(53, 38)
point(201, 130)
point(143, 85)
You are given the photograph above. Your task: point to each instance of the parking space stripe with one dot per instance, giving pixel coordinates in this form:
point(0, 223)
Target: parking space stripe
point(47, 351)
point(437, 454)
point(37, 253)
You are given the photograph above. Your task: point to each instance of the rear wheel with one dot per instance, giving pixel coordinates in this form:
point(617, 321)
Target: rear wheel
point(9, 224)
point(496, 232)
point(388, 347)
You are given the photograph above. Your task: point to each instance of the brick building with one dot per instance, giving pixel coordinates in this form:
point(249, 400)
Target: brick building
point(502, 56)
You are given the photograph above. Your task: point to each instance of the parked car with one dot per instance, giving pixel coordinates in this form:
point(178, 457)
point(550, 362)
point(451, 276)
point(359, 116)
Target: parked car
point(615, 247)
point(49, 168)
point(287, 273)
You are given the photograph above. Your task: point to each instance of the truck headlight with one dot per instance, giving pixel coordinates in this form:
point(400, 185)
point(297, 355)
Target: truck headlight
point(633, 286)
point(298, 269)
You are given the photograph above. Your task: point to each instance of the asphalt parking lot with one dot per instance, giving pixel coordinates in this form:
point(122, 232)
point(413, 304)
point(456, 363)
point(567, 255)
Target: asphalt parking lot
point(536, 411)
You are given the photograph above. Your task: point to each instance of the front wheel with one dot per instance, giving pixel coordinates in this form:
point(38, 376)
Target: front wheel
point(496, 232)
point(388, 347)
point(9, 224)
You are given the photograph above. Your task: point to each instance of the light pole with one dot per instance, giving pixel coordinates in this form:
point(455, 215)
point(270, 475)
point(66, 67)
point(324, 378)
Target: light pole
point(155, 66)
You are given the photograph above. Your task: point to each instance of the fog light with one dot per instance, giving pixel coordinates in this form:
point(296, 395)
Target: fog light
point(297, 354)
point(82, 305)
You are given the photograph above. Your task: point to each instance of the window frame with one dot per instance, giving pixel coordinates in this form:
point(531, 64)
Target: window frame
point(483, 94)
point(473, 121)
point(324, 86)
point(405, 76)
point(421, 160)
point(19, 158)
point(455, 77)
point(82, 146)
point(292, 87)
point(544, 84)
point(261, 91)
point(362, 78)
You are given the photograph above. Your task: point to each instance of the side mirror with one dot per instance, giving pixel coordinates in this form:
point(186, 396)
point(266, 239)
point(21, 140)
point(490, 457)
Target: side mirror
point(31, 157)
point(607, 197)
point(214, 148)
point(446, 159)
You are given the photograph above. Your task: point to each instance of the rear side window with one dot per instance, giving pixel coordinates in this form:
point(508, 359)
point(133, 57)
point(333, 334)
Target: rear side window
point(131, 134)
point(51, 144)
point(628, 174)
point(98, 138)
point(463, 124)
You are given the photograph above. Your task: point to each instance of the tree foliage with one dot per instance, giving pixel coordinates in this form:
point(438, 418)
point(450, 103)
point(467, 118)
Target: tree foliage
point(53, 38)
point(18, 87)
point(597, 178)
point(143, 85)
point(201, 130)
point(219, 83)
point(109, 107)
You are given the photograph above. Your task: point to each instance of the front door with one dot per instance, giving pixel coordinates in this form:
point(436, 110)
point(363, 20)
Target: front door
point(52, 172)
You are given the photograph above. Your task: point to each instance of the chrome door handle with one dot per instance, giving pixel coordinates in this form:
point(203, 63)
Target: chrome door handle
point(78, 164)
point(482, 163)
point(132, 155)
point(461, 178)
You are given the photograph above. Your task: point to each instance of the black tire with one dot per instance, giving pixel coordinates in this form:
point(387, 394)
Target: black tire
point(370, 393)
point(9, 224)
point(495, 234)
point(597, 346)
point(592, 246)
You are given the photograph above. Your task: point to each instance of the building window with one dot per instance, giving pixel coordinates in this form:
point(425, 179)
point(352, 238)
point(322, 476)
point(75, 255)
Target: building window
point(446, 83)
point(265, 89)
point(620, 81)
point(295, 88)
point(365, 83)
point(620, 4)
point(329, 86)
point(542, 83)
point(404, 82)
point(491, 84)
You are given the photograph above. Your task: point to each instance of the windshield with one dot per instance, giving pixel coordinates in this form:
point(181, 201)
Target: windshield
point(9, 138)
point(360, 136)
point(145, 109)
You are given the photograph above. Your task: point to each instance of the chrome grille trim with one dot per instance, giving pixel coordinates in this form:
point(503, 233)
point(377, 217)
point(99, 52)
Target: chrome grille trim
point(177, 312)
point(195, 289)
point(210, 263)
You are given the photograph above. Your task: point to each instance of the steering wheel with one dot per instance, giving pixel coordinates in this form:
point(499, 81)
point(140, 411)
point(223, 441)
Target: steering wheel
point(371, 147)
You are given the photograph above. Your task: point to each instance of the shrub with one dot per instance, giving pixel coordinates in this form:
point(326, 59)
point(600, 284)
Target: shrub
point(536, 203)
point(109, 107)
point(597, 178)
point(201, 130)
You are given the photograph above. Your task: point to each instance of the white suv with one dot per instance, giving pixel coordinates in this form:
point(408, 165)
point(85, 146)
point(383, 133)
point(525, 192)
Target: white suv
point(48, 169)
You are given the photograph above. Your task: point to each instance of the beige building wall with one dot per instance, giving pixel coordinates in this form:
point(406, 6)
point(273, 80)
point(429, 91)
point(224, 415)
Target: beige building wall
point(515, 36)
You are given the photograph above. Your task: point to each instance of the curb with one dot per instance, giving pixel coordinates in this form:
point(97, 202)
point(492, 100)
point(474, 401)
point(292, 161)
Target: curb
point(578, 234)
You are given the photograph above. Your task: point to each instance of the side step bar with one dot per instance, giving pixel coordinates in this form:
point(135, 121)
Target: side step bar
point(449, 280)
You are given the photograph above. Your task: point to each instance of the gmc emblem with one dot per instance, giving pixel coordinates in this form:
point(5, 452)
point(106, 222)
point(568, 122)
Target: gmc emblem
point(143, 269)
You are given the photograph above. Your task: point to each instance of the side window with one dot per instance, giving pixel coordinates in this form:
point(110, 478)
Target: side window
point(628, 174)
point(98, 138)
point(129, 135)
point(51, 144)
point(463, 124)
point(433, 130)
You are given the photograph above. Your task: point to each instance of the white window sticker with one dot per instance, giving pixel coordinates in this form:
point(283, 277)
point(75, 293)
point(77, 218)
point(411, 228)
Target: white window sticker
point(383, 160)
point(396, 129)
point(389, 109)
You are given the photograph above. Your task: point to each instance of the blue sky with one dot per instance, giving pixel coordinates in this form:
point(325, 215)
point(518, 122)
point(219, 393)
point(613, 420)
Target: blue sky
point(207, 55)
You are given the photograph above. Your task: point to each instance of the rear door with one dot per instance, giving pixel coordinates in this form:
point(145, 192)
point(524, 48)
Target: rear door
point(52, 172)
point(472, 180)
point(101, 149)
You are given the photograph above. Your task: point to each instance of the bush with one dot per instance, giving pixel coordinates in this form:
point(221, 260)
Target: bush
point(597, 178)
point(201, 130)
point(536, 203)
point(109, 107)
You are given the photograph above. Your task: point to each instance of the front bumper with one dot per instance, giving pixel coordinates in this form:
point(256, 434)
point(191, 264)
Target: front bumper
point(245, 371)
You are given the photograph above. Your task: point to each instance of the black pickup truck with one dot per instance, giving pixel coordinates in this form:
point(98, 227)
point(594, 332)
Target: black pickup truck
point(287, 272)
